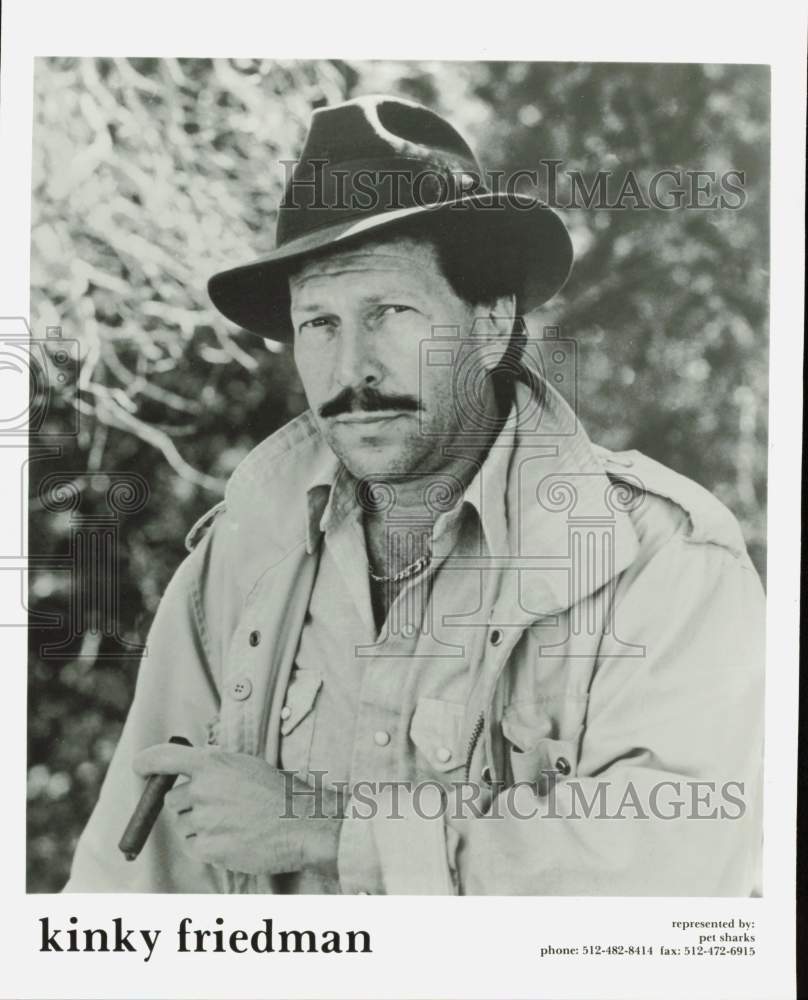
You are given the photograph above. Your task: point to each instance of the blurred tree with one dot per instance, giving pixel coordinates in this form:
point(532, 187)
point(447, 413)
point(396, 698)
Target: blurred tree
point(149, 175)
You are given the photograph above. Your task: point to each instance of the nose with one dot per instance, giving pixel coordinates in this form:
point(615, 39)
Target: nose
point(357, 363)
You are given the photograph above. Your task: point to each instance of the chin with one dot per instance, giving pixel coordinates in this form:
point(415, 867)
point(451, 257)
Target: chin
point(381, 462)
point(373, 458)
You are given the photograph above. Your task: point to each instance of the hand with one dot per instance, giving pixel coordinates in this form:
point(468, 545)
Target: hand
point(238, 812)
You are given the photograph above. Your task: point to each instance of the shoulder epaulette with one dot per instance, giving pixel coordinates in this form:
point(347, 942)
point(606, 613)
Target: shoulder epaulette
point(202, 525)
point(710, 520)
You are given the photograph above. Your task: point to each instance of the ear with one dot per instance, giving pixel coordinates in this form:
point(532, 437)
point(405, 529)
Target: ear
point(501, 317)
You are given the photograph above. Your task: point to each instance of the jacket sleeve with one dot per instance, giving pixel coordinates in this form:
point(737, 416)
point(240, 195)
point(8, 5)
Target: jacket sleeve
point(176, 694)
point(688, 711)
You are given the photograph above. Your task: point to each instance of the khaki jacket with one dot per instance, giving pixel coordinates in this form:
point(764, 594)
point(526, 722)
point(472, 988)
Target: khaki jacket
point(650, 675)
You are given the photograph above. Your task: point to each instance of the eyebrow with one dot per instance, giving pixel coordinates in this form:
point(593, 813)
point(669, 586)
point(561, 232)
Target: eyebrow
point(371, 300)
point(314, 307)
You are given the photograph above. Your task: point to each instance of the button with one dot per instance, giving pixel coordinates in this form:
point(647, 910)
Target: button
point(286, 712)
point(255, 637)
point(563, 766)
point(381, 738)
point(496, 636)
point(241, 689)
point(408, 631)
point(444, 754)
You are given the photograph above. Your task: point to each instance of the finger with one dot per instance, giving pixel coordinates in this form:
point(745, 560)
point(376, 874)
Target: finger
point(178, 800)
point(190, 844)
point(184, 825)
point(168, 758)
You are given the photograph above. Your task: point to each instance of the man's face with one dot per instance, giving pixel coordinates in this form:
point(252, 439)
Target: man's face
point(360, 318)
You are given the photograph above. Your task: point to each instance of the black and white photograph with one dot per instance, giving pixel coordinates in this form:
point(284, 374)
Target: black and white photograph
point(396, 500)
point(421, 578)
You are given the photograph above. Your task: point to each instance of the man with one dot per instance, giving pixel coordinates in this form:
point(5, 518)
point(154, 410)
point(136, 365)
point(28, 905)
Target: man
point(434, 639)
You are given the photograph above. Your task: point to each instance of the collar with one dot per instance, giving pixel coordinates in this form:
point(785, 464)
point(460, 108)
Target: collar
point(547, 477)
point(330, 494)
point(326, 494)
point(569, 527)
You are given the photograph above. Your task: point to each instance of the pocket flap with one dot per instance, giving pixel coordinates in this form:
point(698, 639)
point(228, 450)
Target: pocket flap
point(525, 724)
point(300, 697)
point(534, 752)
point(436, 729)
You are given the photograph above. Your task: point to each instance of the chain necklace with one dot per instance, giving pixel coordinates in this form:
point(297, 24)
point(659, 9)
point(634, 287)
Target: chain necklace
point(414, 569)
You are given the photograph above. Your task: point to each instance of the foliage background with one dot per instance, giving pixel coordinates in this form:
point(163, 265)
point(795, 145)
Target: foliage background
point(149, 175)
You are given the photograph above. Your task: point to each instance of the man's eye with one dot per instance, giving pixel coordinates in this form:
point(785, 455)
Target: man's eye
point(318, 321)
point(394, 308)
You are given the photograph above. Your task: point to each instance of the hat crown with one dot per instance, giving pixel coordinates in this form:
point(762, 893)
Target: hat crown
point(379, 127)
point(369, 156)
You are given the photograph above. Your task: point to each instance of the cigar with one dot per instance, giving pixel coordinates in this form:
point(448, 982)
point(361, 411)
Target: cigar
point(148, 809)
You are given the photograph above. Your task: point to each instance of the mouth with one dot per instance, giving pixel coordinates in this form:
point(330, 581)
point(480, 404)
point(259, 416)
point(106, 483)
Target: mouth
point(364, 419)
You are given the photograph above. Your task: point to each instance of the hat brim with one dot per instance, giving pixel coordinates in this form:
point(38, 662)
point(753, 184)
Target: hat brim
point(255, 296)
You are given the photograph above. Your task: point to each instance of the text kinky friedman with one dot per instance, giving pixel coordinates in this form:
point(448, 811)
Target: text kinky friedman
point(266, 939)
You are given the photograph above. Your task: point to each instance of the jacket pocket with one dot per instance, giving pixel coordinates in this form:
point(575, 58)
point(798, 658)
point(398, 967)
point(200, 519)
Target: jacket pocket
point(535, 754)
point(436, 730)
point(297, 721)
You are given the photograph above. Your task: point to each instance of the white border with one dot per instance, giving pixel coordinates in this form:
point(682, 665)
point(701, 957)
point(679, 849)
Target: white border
point(441, 947)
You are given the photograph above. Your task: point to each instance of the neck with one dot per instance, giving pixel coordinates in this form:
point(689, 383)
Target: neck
point(399, 536)
point(423, 496)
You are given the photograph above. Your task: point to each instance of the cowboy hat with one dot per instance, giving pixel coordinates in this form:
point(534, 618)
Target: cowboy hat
point(374, 165)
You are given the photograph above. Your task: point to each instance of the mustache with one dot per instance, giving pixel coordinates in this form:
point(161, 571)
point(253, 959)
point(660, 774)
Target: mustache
point(368, 400)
